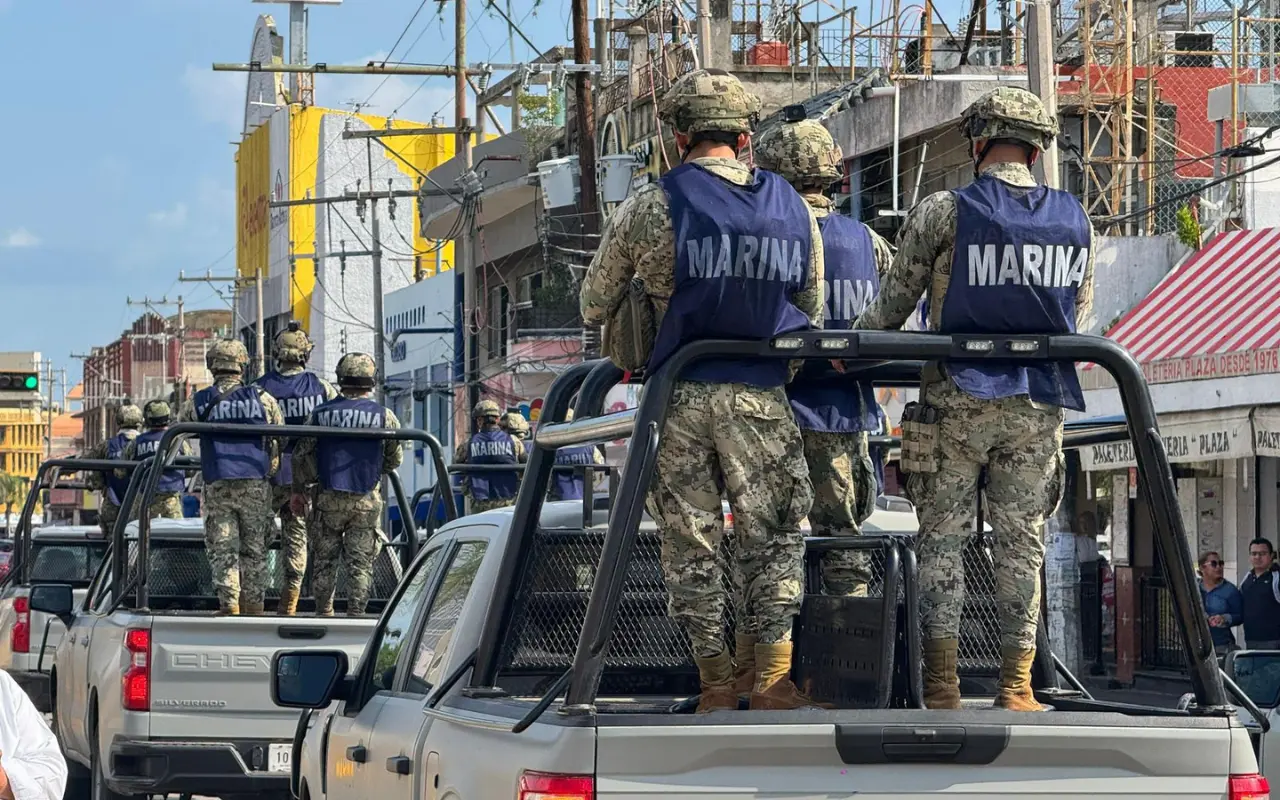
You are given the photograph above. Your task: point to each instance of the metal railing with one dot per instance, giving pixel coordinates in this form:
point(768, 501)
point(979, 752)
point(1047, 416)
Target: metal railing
point(645, 423)
point(182, 430)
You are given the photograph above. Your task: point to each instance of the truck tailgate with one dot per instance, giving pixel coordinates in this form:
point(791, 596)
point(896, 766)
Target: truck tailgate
point(211, 676)
point(991, 754)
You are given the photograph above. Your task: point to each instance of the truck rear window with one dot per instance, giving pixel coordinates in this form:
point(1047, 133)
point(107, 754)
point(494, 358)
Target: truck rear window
point(181, 577)
point(66, 562)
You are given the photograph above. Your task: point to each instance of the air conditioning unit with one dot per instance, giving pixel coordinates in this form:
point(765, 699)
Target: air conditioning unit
point(1185, 49)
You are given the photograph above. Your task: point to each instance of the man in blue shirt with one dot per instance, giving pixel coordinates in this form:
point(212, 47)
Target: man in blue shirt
point(1222, 602)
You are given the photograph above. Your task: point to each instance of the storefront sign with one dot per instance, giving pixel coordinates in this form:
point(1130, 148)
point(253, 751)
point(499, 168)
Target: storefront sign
point(1219, 365)
point(1202, 436)
point(1266, 432)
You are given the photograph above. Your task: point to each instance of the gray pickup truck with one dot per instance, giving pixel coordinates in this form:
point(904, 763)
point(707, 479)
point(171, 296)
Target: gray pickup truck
point(528, 653)
point(157, 693)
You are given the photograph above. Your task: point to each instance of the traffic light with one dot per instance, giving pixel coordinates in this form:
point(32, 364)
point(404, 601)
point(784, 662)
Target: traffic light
point(19, 382)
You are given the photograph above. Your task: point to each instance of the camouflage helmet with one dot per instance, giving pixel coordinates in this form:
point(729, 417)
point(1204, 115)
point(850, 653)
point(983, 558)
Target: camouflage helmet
point(357, 370)
point(156, 412)
point(227, 356)
point(801, 152)
point(292, 345)
point(709, 100)
point(1009, 113)
point(129, 416)
point(486, 408)
point(514, 423)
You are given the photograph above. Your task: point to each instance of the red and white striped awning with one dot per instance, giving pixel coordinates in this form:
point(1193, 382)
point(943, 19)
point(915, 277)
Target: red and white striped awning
point(1215, 316)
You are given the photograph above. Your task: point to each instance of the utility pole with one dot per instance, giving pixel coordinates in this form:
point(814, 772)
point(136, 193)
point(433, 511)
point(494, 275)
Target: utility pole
point(260, 334)
point(704, 34)
point(180, 369)
point(261, 366)
point(1042, 78)
point(48, 411)
point(586, 116)
point(379, 335)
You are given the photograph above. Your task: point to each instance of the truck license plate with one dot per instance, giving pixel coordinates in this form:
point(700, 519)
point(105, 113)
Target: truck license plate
point(279, 757)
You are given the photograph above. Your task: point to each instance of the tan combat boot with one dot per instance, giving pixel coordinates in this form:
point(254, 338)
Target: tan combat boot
point(254, 608)
point(745, 665)
point(941, 684)
point(288, 602)
point(229, 608)
point(1015, 681)
point(774, 690)
point(716, 676)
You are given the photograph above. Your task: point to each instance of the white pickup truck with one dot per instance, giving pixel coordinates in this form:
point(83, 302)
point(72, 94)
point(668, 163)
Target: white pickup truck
point(528, 653)
point(155, 692)
point(69, 555)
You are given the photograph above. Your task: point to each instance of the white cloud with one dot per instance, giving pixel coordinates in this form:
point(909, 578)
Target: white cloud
point(21, 238)
point(218, 97)
point(174, 217)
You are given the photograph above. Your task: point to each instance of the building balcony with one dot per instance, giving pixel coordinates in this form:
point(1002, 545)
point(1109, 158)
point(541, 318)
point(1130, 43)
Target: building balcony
point(546, 322)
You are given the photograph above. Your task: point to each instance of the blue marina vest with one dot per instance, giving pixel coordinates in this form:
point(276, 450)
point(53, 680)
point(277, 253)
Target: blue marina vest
point(298, 395)
point(232, 457)
point(350, 465)
point(742, 254)
point(492, 447)
point(116, 487)
point(172, 481)
point(822, 399)
point(1019, 263)
point(571, 485)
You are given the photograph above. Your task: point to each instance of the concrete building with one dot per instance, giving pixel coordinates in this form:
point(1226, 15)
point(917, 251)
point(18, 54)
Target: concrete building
point(420, 373)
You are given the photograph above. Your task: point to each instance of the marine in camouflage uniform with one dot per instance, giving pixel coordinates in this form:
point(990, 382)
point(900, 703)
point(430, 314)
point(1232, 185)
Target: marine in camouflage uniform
point(113, 484)
point(346, 475)
point(1005, 419)
point(833, 414)
point(573, 485)
point(514, 423)
point(298, 392)
point(490, 444)
point(730, 429)
point(238, 517)
point(167, 501)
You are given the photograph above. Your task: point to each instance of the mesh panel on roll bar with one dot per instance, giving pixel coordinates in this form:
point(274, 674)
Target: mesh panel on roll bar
point(601, 623)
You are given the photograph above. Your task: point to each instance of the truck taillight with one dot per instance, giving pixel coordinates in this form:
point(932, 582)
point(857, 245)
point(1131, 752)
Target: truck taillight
point(20, 634)
point(545, 786)
point(136, 688)
point(1248, 787)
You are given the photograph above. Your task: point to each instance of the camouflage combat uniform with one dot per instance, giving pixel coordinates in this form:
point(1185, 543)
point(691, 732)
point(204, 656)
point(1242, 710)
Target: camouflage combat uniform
point(113, 484)
point(840, 467)
point(478, 486)
point(166, 503)
point(1015, 439)
point(298, 393)
point(345, 475)
point(719, 437)
point(238, 516)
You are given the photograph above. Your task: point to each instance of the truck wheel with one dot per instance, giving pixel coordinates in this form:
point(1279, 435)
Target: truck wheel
point(98, 789)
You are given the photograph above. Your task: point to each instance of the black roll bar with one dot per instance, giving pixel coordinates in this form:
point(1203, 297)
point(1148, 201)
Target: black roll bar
point(182, 430)
point(647, 420)
point(56, 466)
point(119, 546)
point(524, 521)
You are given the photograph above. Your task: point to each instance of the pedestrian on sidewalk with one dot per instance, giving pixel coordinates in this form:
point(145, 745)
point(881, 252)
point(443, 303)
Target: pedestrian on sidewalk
point(1222, 602)
point(1261, 591)
point(31, 763)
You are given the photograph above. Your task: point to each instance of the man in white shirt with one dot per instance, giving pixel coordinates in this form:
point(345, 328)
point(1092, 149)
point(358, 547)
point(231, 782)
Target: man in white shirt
point(31, 763)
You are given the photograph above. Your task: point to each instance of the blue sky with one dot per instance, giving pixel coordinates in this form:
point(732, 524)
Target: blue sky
point(118, 166)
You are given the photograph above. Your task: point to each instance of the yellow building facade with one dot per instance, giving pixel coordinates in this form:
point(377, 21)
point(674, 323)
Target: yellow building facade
point(279, 160)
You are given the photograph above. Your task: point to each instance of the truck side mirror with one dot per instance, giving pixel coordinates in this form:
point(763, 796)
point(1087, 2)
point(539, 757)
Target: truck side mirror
point(55, 599)
point(307, 678)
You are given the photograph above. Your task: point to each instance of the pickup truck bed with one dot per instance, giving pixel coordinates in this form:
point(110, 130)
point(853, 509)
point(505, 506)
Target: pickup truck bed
point(175, 698)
